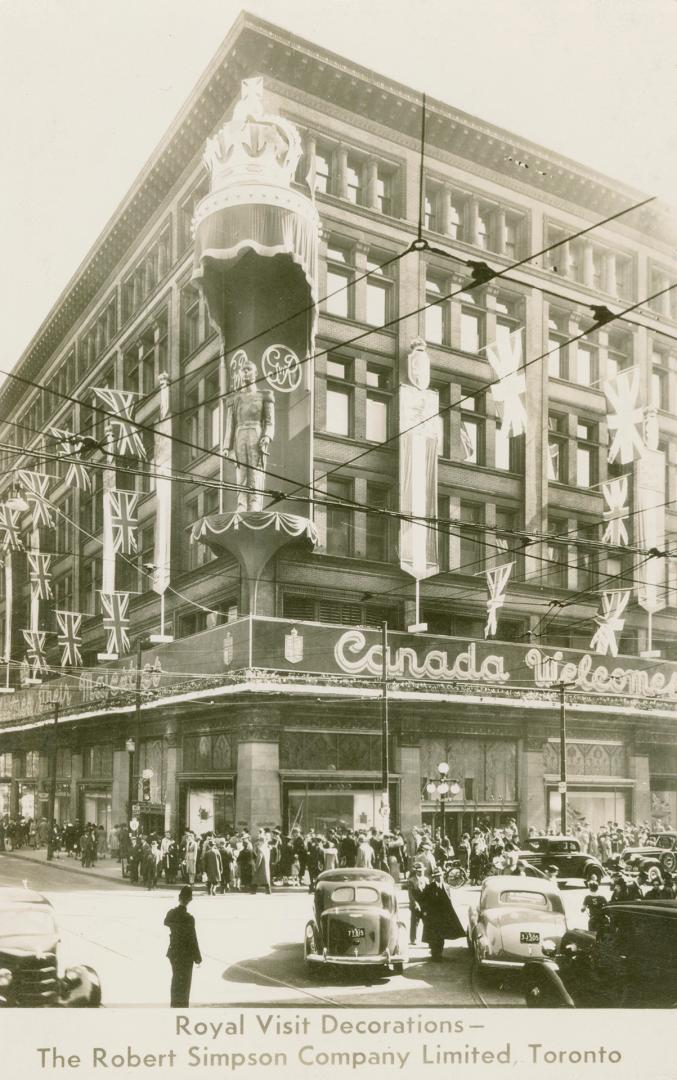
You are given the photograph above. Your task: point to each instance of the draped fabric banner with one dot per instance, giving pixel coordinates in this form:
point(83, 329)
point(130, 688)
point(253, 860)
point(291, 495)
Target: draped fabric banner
point(9, 526)
point(77, 475)
point(126, 439)
point(506, 360)
point(69, 637)
point(115, 607)
point(615, 494)
point(35, 652)
point(609, 623)
point(123, 521)
point(35, 485)
point(163, 493)
point(497, 580)
point(108, 555)
point(9, 598)
point(40, 577)
point(650, 527)
point(624, 414)
point(419, 450)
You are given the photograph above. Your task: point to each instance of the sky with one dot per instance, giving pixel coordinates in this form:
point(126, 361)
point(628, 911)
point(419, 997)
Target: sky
point(88, 88)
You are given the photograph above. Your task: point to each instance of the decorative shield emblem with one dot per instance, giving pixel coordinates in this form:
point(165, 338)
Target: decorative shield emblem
point(293, 647)
point(228, 649)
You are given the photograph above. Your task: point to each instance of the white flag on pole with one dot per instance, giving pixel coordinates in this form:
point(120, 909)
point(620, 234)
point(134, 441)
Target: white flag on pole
point(497, 580)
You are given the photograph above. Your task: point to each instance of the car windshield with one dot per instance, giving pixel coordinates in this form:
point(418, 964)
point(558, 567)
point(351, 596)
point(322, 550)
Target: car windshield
point(665, 841)
point(359, 894)
point(25, 921)
point(523, 898)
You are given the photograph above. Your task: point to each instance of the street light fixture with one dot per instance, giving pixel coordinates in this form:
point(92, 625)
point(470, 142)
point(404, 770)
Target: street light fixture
point(442, 788)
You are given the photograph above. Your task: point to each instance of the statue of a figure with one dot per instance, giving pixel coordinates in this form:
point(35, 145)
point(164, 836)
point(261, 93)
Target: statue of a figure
point(249, 429)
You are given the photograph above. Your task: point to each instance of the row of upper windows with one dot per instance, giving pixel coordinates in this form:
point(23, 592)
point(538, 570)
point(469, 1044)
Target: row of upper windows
point(588, 263)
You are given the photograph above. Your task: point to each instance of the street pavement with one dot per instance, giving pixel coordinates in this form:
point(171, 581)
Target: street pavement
point(251, 945)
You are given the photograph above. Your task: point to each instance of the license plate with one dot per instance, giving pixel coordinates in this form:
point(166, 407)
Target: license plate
point(528, 937)
point(355, 932)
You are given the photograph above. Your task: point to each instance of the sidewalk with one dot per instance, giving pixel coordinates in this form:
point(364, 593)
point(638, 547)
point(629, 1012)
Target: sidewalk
point(107, 868)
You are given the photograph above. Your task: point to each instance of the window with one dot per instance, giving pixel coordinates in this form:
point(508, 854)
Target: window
point(576, 260)
point(658, 393)
point(64, 525)
point(472, 547)
point(379, 291)
point(341, 611)
point(322, 170)
point(556, 552)
point(472, 324)
point(456, 215)
point(63, 592)
point(598, 276)
point(554, 259)
point(147, 273)
point(376, 418)
point(193, 320)
point(507, 543)
point(512, 237)
point(377, 524)
point(340, 299)
point(623, 277)
point(587, 454)
point(355, 181)
point(587, 371)
point(557, 448)
point(509, 451)
point(507, 322)
point(339, 398)
point(586, 558)
point(483, 227)
point(431, 209)
point(473, 428)
point(212, 401)
point(90, 585)
point(191, 422)
point(339, 518)
point(384, 191)
point(437, 321)
point(558, 364)
point(187, 212)
point(620, 352)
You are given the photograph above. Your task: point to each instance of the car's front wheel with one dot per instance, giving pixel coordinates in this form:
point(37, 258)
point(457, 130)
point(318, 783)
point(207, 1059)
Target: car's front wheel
point(310, 946)
point(669, 861)
point(539, 993)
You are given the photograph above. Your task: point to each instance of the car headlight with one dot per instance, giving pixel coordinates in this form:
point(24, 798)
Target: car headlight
point(71, 978)
point(5, 977)
point(548, 947)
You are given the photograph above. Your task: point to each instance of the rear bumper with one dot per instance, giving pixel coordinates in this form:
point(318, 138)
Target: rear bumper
point(506, 965)
point(354, 961)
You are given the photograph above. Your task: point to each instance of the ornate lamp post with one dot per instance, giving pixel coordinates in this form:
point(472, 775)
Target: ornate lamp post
point(442, 787)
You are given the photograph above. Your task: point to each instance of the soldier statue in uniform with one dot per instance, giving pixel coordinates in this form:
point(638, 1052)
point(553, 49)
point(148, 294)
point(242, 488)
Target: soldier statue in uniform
point(249, 430)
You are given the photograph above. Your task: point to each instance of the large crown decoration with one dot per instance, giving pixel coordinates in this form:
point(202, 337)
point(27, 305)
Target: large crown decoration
point(253, 147)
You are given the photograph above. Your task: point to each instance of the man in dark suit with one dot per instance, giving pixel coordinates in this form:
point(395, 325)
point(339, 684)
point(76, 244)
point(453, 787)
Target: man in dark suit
point(440, 920)
point(183, 950)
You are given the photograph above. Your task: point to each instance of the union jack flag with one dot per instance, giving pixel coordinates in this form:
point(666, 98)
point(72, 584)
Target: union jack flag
point(69, 637)
point(115, 606)
point(123, 521)
point(40, 576)
point(9, 525)
point(127, 439)
point(76, 475)
point(35, 651)
point(36, 493)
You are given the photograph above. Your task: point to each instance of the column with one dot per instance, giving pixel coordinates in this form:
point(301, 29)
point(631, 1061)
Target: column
point(473, 208)
point(309, 153)
point(588, 265)
point(342, 171)
point(171, 790)
point(499, 230)
point(258, 800)
point(360, 290)
point(372, 185)
point(408, 764)
point(120, 787)
point(76, 775)
point(536, 439)
point(638, 770)
point(611, 282)
point(530, 779)
point(445, 210)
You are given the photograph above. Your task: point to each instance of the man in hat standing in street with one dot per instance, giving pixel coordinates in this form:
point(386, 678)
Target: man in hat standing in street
point(183, 950)
point(440, 921)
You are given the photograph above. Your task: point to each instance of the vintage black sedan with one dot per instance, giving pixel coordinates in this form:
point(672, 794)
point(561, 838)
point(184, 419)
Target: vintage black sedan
point(565, 853)
point(630, 962)
point(29, 976)
point(660, 852)
point(356, 921)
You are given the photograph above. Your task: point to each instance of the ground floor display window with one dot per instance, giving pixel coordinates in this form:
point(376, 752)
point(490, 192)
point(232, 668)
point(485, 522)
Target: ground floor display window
point(96, 807)
point(5, 800)
point(457, 821)
point(208, 807)
point(595, 807)
point(28, 802)
point(335, 806)
point(664, 807)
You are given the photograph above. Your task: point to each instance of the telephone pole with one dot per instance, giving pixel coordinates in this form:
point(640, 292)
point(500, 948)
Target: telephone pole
point(385, 734)
point(52, 782)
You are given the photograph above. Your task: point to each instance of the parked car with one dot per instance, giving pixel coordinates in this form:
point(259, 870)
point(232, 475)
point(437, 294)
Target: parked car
point(630, 962)
point(565, 853)
point(516, 917)
point(661, 851)
point(29, 976)
point(356, 921)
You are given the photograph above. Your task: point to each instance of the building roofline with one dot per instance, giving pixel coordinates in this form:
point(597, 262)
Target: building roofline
point(238, 56)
